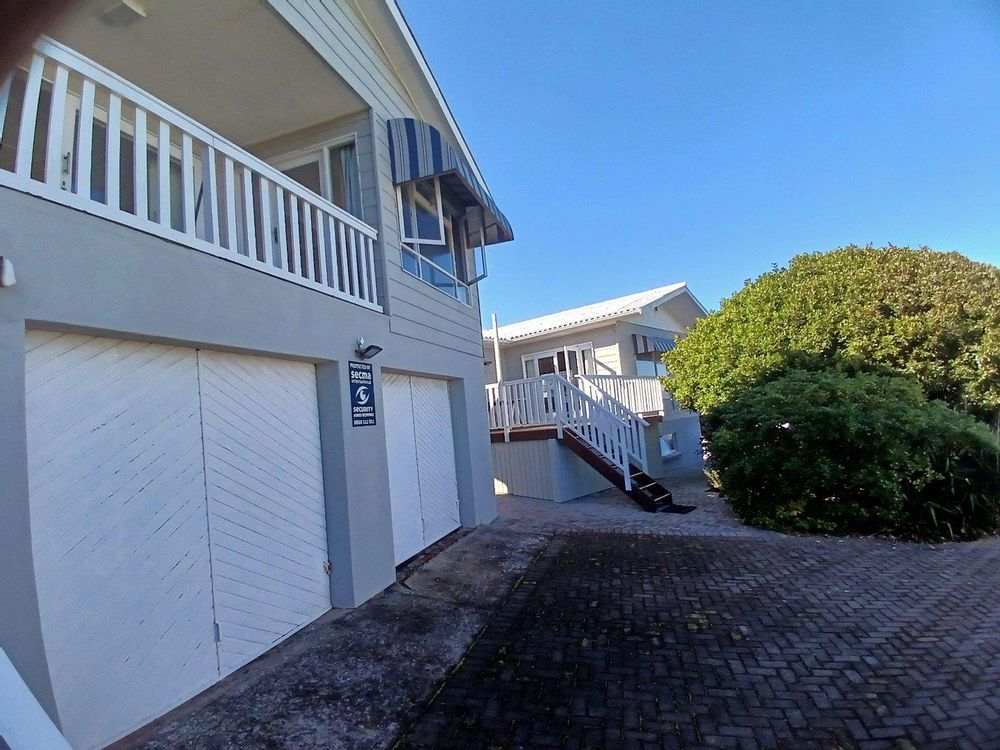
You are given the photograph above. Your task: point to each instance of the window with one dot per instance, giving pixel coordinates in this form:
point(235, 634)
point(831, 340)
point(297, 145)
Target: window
point(345, 178)
point(580, 359)
point(650, 364)
point(668, 444)
point(436, 238)
point(331, 171)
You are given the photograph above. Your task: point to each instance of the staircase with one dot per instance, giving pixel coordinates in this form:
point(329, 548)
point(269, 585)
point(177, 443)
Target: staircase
point(647, 493)
point(597, 427)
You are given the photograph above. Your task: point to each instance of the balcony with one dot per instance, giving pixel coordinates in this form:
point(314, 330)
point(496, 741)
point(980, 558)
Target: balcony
point(78, 134)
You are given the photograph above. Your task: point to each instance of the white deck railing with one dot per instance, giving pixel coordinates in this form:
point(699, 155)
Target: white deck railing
point(83, 136)
point(632, 420)
point(553, 400)
point(640, 394)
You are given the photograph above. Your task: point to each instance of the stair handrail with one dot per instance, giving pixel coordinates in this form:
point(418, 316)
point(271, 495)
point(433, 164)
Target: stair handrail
point(635, 421)
point(593, 423)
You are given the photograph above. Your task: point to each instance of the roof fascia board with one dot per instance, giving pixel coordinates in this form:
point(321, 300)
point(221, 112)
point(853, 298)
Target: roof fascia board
point(557, 332)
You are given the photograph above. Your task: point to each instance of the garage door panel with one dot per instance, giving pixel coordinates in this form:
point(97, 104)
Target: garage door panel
point(420, 445)
point(293, 532)
point(80, 507)
point(261, 431)
point(114, 509)
point(116, 381)
point(63, 423)
point(141, 545)
point(270, 478)
point(401, 449)
point(236, 383)
point(248, 551)
point(435, 457)
point(231, 412)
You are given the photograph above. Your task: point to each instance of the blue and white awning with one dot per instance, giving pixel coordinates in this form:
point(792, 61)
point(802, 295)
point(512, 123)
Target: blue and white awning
point(417, 151)
point(646, 344)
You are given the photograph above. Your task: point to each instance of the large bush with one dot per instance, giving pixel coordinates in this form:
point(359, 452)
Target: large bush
point(935, 316)
point(849, 451)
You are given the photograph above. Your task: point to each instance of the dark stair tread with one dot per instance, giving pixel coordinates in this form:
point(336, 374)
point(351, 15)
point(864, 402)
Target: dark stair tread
point(646, 492)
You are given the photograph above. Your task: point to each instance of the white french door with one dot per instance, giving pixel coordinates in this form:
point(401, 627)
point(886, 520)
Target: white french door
point(568, 361)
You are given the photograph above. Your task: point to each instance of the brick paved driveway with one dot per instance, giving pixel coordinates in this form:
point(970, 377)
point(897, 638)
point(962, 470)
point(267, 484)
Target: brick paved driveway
point(640, 641)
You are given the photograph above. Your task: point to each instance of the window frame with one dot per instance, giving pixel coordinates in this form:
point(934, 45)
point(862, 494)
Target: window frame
point(552, 353)
point(322, 152)
point(410, 246)
point(656, 360)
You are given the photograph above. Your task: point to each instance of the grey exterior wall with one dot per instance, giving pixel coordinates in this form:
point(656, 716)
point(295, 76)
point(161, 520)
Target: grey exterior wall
point(81, 273)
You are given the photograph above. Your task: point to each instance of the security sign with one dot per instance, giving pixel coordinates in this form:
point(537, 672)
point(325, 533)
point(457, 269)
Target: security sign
point(362, 394)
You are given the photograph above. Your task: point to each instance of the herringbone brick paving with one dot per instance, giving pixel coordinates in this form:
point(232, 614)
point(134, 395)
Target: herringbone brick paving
point(632, 641)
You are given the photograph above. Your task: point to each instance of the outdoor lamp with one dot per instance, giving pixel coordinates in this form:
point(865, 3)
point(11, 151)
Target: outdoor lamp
point(367, 352)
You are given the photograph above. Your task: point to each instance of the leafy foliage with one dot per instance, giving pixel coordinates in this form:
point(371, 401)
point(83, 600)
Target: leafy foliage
point(935, 316)
point(852, 451)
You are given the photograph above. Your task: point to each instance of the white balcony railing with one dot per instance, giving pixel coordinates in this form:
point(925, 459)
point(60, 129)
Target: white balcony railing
point(78, 134)
point(643, 395)
point(553, 400)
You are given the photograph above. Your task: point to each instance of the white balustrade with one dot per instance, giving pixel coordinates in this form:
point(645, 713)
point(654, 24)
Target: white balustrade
point(551, 400)
point(642, 395)
point(80, 135)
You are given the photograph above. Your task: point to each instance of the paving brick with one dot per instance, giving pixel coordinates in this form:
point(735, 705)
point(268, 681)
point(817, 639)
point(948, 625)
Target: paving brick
point(840, 643)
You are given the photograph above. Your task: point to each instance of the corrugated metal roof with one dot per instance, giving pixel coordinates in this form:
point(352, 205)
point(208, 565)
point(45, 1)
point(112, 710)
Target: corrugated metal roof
point(619, 307)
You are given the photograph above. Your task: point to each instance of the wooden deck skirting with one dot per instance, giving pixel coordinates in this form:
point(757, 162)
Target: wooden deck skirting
point(547, 432)
point(518, 434)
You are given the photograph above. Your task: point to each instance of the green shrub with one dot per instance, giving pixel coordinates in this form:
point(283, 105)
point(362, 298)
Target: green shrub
point(850, 451)
point(934, 316)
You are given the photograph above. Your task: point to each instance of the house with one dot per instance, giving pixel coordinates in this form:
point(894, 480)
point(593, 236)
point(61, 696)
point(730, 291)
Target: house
point(597, 362)
point(241, 374)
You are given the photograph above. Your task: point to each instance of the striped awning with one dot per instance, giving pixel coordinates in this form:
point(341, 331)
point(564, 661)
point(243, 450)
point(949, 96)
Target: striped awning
point(418, 151)
point(646, 344)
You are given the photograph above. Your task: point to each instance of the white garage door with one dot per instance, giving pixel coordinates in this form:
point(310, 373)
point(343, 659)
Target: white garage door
point(150, 499)
point(422, 486)
point(265, 500)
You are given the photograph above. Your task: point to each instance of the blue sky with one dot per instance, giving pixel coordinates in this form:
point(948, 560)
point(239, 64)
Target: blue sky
point(634, 144)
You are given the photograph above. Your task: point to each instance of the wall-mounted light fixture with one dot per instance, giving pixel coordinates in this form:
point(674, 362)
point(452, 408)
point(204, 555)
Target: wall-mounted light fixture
point(367, 352)
point(6, 272)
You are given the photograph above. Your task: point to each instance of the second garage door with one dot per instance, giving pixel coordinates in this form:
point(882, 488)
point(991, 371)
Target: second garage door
point(421, 450)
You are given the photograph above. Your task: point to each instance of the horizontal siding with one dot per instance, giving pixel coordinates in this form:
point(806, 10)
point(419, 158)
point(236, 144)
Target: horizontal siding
point(608, 359)
point(420, 332)
point(345, 42)
point(543, 469)
point(574, 477)
point(523, 469)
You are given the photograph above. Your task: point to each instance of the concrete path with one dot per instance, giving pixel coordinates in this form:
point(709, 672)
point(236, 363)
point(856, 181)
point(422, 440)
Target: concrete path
point(353, 679)
point(594, 624)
